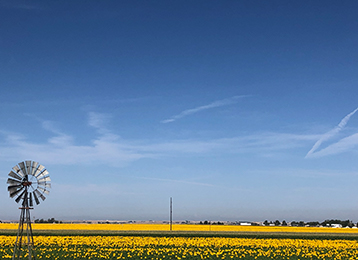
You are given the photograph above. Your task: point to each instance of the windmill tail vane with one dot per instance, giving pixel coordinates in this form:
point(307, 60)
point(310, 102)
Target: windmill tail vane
point(28, 181)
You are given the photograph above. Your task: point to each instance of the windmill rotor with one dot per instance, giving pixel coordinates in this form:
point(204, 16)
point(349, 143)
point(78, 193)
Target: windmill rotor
point(29, 181)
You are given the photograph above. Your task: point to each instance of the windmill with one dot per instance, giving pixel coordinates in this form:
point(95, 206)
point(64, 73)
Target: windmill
point(28, 182)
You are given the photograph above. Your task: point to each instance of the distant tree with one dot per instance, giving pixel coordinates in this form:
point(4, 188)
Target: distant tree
point(297, 224)
point(301, 224)
point(313, 223)
point(329, 222)
point(277, 223)
point(266, 223)
point(206, 222)
point(347, 223)
point(284, 223)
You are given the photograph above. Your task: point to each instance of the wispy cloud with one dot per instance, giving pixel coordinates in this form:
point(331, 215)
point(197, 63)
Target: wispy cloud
point(59, 138)
point(179, 181)
point(108, 148)
point(342, 144)
point(61, 148)
point(218, 103)
point(98, 120)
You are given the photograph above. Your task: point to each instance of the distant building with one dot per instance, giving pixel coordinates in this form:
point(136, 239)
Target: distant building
point(336, 225)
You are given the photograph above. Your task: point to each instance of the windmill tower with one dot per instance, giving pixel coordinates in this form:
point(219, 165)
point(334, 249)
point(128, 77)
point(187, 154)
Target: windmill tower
point(28, 181)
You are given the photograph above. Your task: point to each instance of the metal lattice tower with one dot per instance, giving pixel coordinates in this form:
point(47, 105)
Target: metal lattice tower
point(28, 181)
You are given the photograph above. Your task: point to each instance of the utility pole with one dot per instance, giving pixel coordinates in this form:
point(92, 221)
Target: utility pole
point(171, 214)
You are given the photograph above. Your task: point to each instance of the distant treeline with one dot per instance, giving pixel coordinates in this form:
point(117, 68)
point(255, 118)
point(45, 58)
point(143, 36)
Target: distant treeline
point(330, 222)
point(210, 223)
point(50, 220)
point(223, 223)
point(326, 223)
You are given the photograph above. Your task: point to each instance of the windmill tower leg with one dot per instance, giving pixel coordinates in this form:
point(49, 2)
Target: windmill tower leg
point(18, 242)
point(24, 240)
point(30, 238)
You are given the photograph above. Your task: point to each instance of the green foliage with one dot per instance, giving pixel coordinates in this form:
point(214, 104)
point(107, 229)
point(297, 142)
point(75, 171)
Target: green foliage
point(50, 220)
point(277, 223)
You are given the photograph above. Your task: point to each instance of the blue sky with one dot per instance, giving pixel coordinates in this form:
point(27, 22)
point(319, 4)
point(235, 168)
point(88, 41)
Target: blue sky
point(239, 110)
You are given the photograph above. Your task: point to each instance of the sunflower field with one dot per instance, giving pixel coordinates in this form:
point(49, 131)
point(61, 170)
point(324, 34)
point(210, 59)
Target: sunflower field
point(183, 246)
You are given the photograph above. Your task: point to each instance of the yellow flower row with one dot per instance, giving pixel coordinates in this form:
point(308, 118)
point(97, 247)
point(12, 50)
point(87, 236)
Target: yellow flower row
point(137, 247)
point(181, 227)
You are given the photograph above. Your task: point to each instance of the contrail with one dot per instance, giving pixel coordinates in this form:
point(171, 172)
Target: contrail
point(331, 133)
point(218, 103)
point(341, 146)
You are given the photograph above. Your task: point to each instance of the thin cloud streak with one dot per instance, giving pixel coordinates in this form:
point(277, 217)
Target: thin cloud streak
point(330, 134)
point(218, 103)
point(343, 145)
point(255, 143)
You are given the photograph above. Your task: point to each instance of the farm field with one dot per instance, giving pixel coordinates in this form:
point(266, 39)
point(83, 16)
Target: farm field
point(180, 228)
point(137, 241)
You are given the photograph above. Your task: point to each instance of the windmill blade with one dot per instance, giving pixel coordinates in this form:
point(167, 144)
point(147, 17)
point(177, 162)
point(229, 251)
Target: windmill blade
point(39, 170)
point(12, 187)
point(40, 195)
point(31, 202)
point(13, 182)
point(45, 184)
point(42, 174)
point(18, 171)
point(20, 196)
point(14, 175)
point(15, 192)
point(43, 190)
point(28, 167)
point(34, 167)
point(23, 168)
point(46, 179)
point(11, 190)
point(36, 199)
